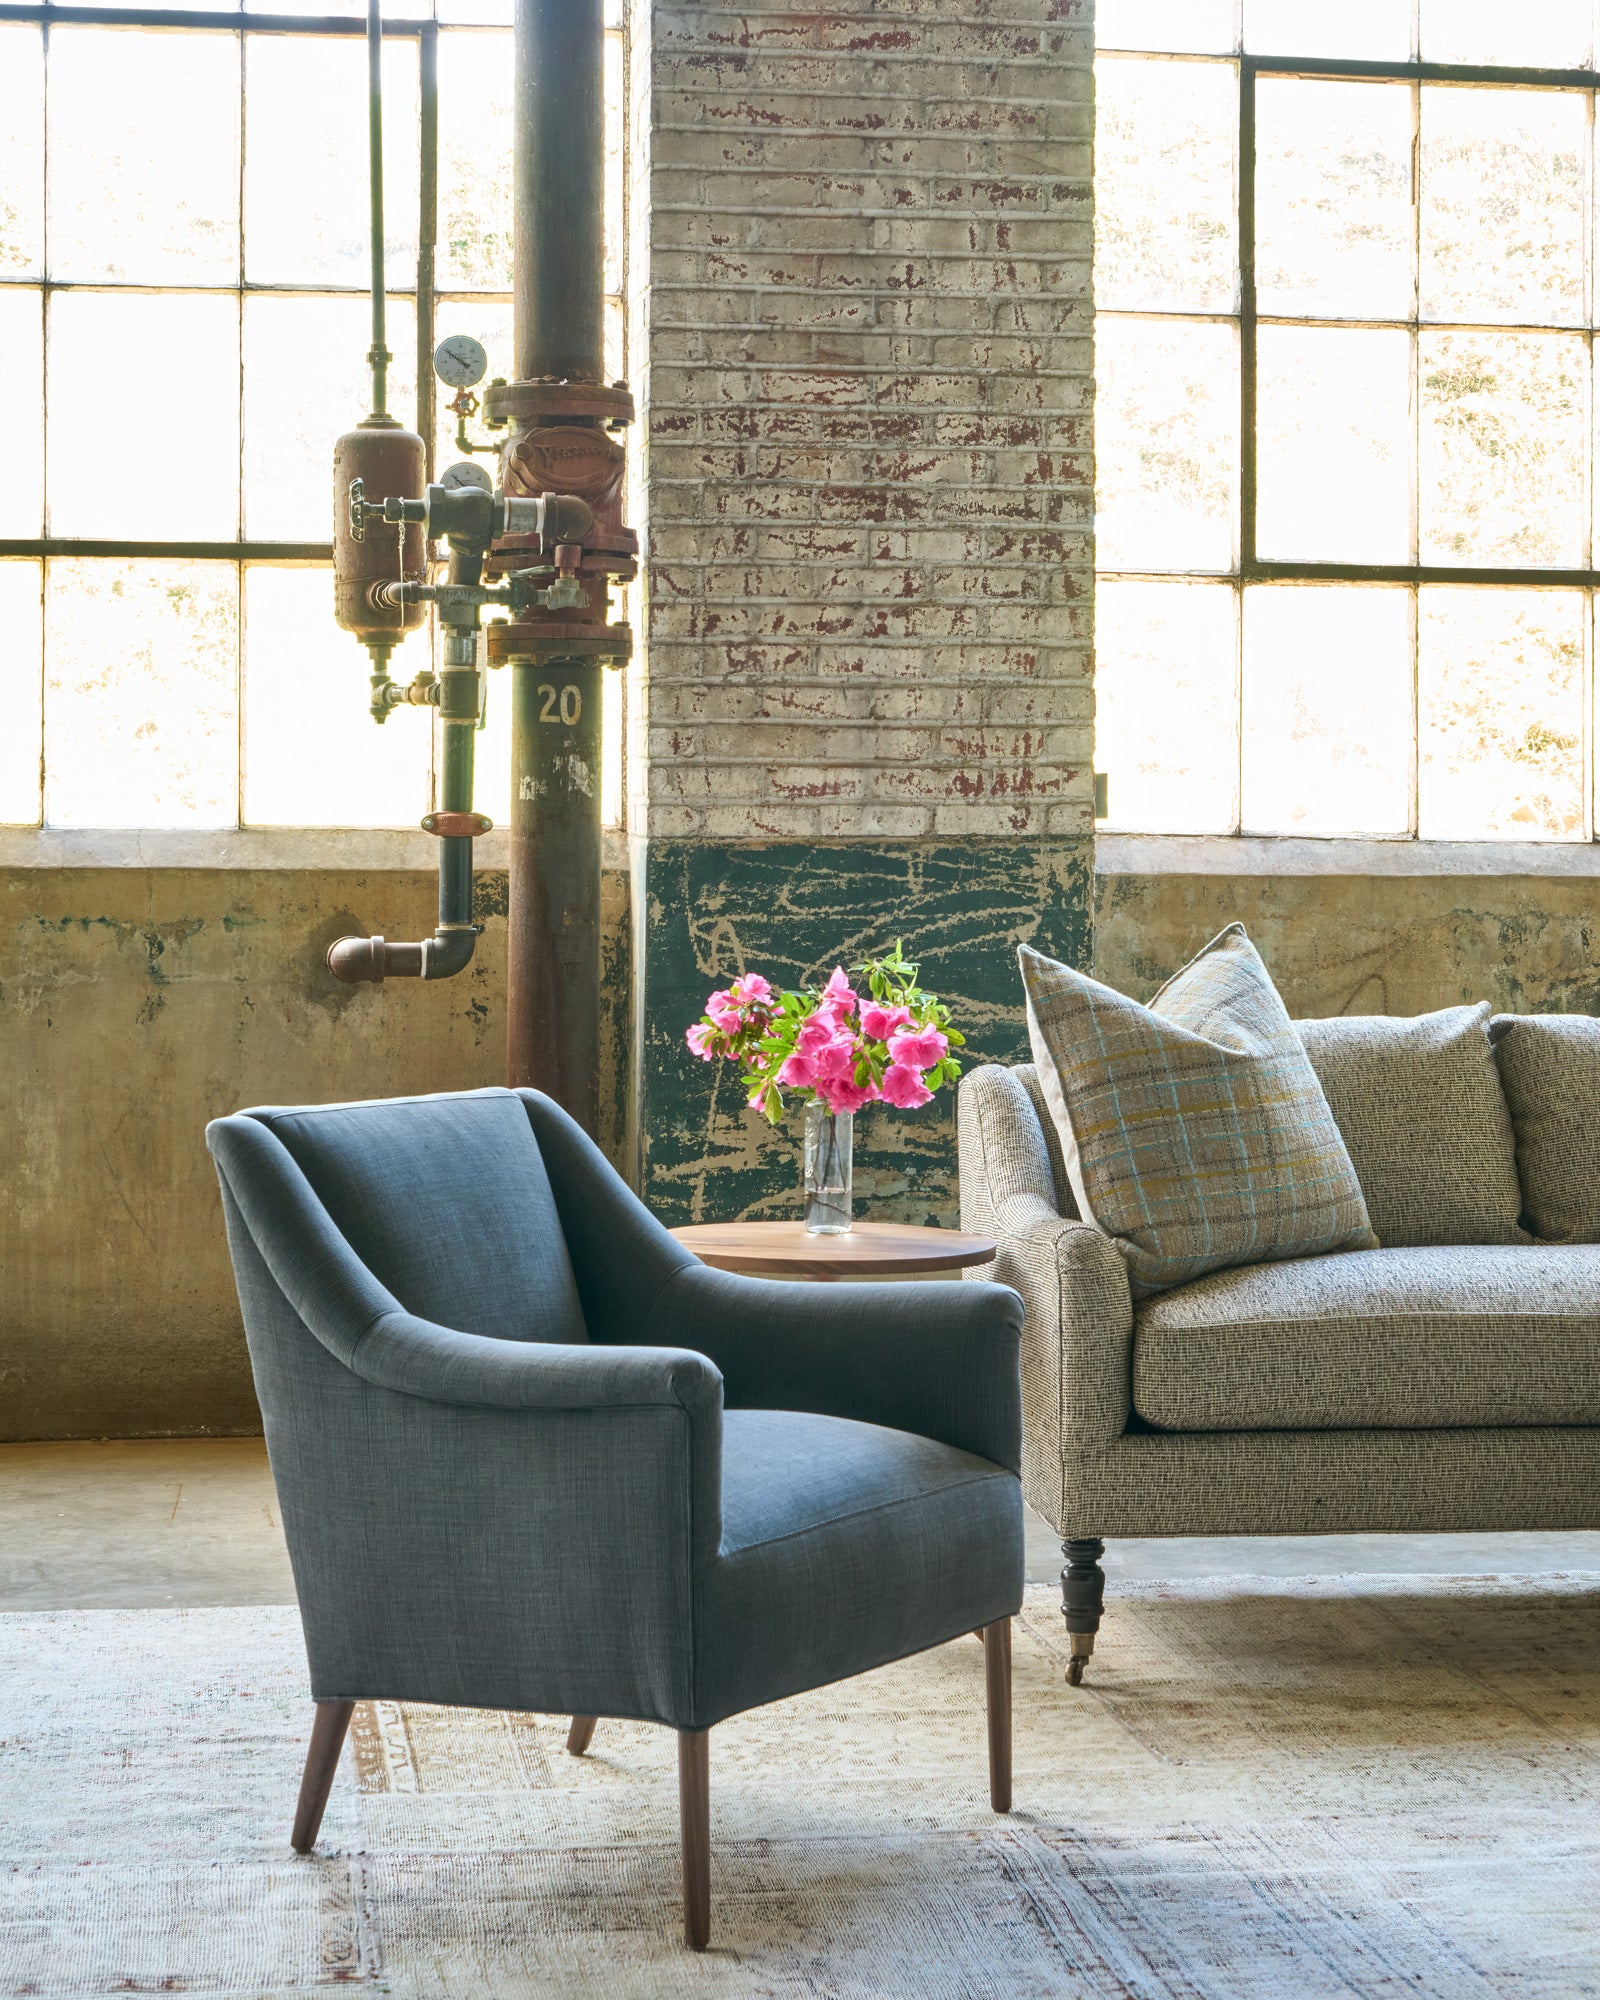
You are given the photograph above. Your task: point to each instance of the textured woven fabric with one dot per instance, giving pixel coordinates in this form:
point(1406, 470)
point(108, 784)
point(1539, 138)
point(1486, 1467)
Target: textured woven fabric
point(1383, 1339)
point(1194, 1130)
point(1422, 1112)
point(1550, 1068)
point(1332, 1483)
point(524, 1523)
point(1077, 1328)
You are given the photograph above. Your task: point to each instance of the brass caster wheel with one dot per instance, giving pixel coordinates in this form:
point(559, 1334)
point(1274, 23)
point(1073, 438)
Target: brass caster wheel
point(1075, 1667)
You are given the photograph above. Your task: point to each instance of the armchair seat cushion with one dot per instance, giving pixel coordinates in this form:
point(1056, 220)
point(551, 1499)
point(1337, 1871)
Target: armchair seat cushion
point(1413, 1339)
point(846, 1545)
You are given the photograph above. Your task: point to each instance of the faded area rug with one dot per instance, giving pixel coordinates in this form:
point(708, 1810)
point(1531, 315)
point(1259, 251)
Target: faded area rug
point(1267, 1790)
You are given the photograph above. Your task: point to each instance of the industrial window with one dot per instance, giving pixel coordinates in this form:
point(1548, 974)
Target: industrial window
point(1345, 287)
point(183, 325)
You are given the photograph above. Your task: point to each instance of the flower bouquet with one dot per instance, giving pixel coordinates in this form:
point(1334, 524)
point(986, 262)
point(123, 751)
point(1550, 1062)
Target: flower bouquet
point(834, 1049)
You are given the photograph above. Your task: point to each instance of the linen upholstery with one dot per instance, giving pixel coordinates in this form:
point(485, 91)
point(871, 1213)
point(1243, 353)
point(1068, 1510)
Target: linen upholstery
point(1381, 1340)
point(1194, 1131)
point(490, 1520)
point(1549, 1066)
point(1421, 1110)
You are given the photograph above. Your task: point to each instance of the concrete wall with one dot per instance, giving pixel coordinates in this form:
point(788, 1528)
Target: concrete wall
point(861, 336)
point(1374, 944)
point(139, 1003)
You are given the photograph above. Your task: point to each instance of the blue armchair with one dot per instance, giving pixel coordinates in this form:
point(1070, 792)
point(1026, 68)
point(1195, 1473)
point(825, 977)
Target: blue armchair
point(532, 1454)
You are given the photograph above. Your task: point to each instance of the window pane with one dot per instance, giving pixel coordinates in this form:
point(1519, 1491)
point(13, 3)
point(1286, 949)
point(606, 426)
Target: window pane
point(1334, 451)
point(1333, 199)
point(495, 13)
point(489, 323)
point(1204, 27)
point(21, 150)
point(1166, 235)
point(1167, 417)
point(1535, 34)
point(305, 186)
point(144, 156)
point(616, 340)
point(475, 79)
point(1327, 710)
point(1166, 713)
point(344, 770)
point(141, 719)
point(1502, 205)
point(1501, 476)
point(22, 412)
point(20, 685)
point(306, 380)
point(1369, 30)
point(1500, 701)
point(168, 366)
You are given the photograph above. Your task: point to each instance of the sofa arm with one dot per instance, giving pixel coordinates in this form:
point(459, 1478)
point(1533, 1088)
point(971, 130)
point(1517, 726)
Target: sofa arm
point(1077, 1334)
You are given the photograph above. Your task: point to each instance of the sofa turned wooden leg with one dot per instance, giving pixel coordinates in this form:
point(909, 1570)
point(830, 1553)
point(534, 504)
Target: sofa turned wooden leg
point(1083, 1597)
point(581, 1734)
point(694, 1826)
point(322, 1760)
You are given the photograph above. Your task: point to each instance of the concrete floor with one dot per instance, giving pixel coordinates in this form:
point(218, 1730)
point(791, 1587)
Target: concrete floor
point(187, 1522)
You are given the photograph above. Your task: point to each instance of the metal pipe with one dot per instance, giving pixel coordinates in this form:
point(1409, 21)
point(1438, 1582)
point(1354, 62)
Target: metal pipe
point(378, 356)
point(558, 190)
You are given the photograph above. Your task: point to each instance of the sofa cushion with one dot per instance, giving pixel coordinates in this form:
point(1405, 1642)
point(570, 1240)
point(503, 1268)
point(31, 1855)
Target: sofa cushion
point(1382, 1340)
point(1550, 1070)
point(1194, 1130)
point(1420, 1107)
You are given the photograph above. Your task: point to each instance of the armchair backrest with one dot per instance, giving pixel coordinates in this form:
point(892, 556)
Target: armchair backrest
point(444, 1200)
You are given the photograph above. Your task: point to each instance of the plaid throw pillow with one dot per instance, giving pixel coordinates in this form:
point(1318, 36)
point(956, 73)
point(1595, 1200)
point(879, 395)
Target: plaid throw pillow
point(1195, 1131)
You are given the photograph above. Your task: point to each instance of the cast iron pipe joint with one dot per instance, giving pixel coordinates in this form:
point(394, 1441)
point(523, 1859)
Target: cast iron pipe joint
point(469, 518)
point(372, 960)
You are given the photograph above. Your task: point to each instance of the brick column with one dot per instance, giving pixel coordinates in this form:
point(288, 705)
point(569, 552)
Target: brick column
point(862, 338)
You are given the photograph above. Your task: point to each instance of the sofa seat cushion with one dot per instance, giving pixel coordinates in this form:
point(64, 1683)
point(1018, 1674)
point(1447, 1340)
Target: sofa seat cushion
point(1377, 1340)
point(846, 1545)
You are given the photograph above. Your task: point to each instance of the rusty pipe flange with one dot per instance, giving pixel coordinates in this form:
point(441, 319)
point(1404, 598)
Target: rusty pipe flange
point(530, 402)
point(559, 639)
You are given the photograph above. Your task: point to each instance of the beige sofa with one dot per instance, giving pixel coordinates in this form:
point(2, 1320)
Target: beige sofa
point(1447, 1380)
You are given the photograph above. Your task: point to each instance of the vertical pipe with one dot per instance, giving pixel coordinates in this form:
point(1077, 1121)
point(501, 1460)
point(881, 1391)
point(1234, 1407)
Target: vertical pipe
point(378, 356)
point(559, 190)
point(553, 998)
point(427, 233)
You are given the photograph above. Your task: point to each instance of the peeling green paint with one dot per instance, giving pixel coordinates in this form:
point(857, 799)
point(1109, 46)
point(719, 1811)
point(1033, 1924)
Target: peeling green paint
point(793, 911)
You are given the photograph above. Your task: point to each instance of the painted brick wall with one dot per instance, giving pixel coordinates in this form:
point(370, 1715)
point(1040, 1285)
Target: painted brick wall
point(861, 335)
point(863, 341)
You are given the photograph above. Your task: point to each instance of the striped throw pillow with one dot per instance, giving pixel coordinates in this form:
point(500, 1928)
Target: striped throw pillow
point(1195, 1131)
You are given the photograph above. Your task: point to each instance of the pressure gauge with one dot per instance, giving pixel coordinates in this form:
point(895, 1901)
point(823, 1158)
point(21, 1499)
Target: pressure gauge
point(460, 361)
point(457, 477)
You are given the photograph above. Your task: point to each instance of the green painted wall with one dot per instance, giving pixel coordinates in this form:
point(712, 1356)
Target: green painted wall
point(708, 911)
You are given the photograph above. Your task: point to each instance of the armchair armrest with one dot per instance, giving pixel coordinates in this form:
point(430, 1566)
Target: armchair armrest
point(1077, 1349)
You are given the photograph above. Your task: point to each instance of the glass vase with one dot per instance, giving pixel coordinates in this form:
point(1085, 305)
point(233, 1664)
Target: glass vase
point(829, 1140)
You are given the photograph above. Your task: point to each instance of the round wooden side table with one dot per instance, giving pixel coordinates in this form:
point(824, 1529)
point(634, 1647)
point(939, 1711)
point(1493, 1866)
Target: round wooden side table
point(869, 1250)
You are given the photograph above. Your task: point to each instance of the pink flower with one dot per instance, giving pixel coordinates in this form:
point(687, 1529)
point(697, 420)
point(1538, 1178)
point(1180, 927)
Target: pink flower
point(724, 1011)
point(919, 1049)
point(904, 1087)
point(751, 991)
point(845, 1094)
point(816, 1031)
point(836, 1058)
point(838, 993)
point(881, 1022)
point(697, 1038)
point(798, 1072)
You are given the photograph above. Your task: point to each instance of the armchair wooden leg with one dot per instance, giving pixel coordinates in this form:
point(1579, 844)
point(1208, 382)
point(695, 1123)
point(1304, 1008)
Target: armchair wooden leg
point(581, 1734)
point(322, 1760)
point(1083, 1597)
point(694, 1822)
point(997, 1691)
